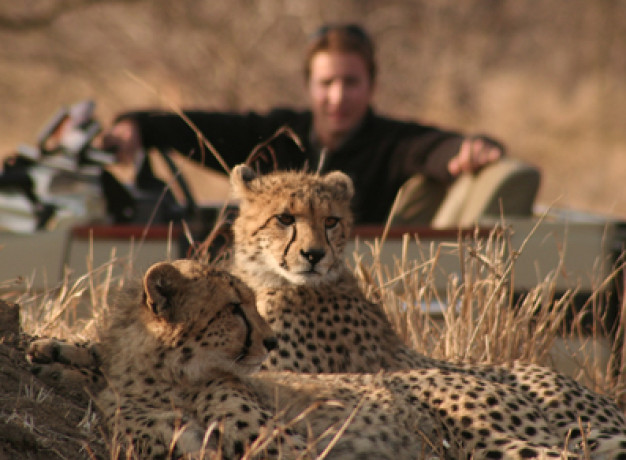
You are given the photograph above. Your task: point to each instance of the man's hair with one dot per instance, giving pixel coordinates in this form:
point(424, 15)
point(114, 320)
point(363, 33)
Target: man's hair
point(346, 38)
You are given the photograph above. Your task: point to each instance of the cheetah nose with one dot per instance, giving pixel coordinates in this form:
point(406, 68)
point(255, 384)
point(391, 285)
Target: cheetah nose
point(270, 343)
point(313, 255)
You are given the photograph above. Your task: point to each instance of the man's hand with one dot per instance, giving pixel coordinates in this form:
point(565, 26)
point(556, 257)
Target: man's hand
point(475, 152)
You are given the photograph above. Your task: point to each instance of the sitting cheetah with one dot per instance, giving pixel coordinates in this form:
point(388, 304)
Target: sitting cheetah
point(180, 356)
point(289, 241)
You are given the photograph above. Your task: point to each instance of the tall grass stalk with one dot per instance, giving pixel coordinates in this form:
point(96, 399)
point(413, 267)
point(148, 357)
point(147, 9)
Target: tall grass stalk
point(480, 320)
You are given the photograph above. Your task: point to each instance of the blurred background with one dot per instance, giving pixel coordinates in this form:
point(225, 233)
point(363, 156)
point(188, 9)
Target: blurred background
point(546, 77)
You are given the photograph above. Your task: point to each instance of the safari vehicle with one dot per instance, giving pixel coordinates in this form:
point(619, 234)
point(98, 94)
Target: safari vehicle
point(112, 218)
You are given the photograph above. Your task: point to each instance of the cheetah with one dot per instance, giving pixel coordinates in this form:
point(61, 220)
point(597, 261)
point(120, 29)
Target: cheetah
point(181, 355)
point(289, 241)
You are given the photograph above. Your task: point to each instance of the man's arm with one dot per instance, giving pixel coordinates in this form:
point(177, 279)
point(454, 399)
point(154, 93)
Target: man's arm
point(443, 155)
point(233, 136)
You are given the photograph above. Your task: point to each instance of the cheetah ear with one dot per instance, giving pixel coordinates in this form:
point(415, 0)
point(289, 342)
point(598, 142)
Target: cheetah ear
point(341, 182)
point(240, 178)
point(161, 282)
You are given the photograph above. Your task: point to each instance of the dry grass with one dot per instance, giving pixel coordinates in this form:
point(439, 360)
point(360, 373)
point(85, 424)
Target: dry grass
point(483, 321)
point(486, 323)
point(77, 309)
point(489, 324)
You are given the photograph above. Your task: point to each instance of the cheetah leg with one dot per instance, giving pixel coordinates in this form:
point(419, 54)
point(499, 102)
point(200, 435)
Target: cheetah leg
point(151, 430)
point(51, 350)
point(602, 444)
point(66, 366)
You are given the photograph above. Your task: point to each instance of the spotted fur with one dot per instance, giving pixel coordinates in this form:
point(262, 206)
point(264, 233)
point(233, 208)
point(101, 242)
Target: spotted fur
point(325, 324)
point(180, 357)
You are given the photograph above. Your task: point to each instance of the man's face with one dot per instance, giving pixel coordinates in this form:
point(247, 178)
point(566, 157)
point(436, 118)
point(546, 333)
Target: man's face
point(341, 90)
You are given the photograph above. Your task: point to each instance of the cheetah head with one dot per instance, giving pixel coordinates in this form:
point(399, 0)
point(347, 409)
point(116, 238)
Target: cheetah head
point(193, 319)
point(292, 226)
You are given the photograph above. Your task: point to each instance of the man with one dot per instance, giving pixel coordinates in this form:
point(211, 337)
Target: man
point(340, 131)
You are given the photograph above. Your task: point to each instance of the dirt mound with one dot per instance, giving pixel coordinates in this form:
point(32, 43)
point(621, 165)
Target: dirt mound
point(36, 421)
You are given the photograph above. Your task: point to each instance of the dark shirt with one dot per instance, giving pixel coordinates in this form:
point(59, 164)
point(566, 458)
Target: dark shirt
point(379, 156)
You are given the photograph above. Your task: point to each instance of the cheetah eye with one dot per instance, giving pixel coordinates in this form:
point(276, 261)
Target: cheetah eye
point(286, 218)
point(331, 222)
point(236, 308)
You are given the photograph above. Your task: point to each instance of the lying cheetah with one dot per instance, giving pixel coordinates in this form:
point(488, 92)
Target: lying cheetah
point(180, 356)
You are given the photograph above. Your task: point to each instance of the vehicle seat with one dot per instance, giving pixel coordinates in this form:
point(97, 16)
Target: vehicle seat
point(507, 187)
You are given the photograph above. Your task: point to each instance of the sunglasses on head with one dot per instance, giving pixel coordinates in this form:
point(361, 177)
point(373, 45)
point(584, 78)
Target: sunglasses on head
point(352, 29)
